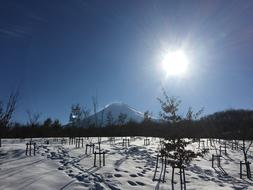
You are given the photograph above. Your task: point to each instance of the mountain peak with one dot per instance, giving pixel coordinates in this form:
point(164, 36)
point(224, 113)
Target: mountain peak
point(115, 109)
point(116, 104)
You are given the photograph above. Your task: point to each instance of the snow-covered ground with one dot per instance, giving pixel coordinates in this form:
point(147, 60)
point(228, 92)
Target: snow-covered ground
point(57, 166)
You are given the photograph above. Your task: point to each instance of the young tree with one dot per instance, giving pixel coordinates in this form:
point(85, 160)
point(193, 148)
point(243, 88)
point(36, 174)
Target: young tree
point(245, 149)
point(170, 108)
point(176, 149)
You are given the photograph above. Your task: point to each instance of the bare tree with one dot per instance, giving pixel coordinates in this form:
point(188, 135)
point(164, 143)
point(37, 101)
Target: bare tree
point(190, 115)
point(245, 149)
point(7, 113)
point(33, 118)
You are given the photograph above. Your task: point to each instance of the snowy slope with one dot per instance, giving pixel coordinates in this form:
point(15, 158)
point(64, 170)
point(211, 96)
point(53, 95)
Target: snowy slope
point(116, 109)
point(66, 167)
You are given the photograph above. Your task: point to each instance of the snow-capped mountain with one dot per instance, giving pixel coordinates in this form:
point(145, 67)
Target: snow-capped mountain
point(111, 113)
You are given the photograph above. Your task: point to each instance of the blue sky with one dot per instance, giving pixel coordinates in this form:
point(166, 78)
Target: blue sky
point(61, 52)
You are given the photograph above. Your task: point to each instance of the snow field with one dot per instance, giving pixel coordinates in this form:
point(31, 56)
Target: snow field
point(58, 166)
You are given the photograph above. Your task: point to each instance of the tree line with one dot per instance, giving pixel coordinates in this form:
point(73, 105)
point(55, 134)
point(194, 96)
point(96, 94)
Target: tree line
point(230, 124)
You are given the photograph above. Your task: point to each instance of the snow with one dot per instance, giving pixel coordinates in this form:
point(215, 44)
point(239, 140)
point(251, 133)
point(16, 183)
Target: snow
point(116, 109)
point(58, 166)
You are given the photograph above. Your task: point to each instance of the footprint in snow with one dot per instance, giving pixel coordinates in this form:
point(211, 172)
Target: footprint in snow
point(208, 172)
point(204, 178)
point(80, 177)
point(132, 183)
point(60, 168)
point(113, 187)
point(117, 175)
point(108, 175)
point(133, 175)
point(140, 183)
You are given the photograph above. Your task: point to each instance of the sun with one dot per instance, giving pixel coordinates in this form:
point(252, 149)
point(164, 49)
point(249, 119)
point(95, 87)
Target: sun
point(175, 63)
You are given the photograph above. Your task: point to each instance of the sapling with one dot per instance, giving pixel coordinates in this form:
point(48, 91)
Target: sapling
point(245, 149)
point(175, 149)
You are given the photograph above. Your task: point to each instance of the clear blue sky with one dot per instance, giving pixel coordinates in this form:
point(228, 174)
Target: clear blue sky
point(60, 52)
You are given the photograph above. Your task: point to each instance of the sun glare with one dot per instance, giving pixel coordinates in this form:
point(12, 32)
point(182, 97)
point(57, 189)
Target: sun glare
point(175, 63)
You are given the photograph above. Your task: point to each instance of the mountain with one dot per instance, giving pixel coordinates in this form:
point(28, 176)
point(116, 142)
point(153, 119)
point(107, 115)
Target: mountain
point(113, 111)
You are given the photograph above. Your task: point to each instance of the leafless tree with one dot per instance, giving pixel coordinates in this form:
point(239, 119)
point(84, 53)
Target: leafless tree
point(245, 149)
point(33, 118)
point(190, 115)
point(7, 113)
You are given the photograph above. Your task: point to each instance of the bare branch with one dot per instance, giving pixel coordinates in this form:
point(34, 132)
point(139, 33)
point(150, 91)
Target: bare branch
point(6, 115)
point(249, 147)
point(33, 119)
